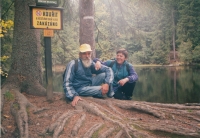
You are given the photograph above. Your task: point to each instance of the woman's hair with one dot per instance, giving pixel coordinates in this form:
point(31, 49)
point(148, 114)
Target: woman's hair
point(123, 51)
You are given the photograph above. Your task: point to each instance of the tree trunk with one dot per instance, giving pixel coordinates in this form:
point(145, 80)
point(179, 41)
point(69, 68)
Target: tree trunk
point(86, 34)
point(173, 35)
point(25, 74)
point(26, 69)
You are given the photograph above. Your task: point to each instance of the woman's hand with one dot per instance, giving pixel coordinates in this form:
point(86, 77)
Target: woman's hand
point(123, 81)
point(97, 65)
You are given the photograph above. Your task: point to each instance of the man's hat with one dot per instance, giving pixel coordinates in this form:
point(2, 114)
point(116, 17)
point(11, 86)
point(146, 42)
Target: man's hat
point(85, 48)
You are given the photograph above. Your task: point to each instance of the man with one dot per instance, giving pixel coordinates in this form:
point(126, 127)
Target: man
point(81, 81)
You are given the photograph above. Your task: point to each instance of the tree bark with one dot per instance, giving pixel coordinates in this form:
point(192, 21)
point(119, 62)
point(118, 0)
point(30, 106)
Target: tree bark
point(173, 34)
point(26, 67)
point(25, 74)
point(86, 13)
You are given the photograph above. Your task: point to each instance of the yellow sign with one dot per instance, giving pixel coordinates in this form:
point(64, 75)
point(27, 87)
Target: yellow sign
point(46, 18)
point(48, 33)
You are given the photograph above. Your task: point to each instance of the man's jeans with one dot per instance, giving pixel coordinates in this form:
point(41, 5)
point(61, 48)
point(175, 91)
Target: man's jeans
point(95, 88)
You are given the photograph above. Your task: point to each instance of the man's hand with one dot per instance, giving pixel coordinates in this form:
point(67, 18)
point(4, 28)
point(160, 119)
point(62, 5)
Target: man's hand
point(75, 100)
point(104, 88)
point(123, 81)
point(97, 65)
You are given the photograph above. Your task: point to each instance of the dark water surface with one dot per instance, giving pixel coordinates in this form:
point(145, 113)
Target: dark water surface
point(160, 84)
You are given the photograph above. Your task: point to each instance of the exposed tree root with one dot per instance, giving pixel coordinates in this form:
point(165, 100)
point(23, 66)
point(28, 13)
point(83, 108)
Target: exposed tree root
point(40, 110)
point(90, 132)
point(19, 111)
point(110, 105)
point(108, 112)
point(163, 112)
point(143, 108)
point(119, 134)
point(77, 126)
point(107, 133)
point(94, 110)
point(102, 118)
point(174, 106)
point(14, 85)
point(58, 126)
point(175, 130)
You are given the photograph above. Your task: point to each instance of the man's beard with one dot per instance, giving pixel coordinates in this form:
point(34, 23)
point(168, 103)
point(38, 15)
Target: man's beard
point(87, 63)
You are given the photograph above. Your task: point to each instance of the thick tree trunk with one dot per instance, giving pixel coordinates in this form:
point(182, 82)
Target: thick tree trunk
point(25, 74)
point(86, 34)
point(26, 69)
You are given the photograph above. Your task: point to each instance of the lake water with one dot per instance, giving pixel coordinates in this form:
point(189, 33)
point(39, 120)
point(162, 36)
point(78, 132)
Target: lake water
point(160, 84)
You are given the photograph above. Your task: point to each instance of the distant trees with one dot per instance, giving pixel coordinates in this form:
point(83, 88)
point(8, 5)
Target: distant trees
point(65, 42)
point(149, 30)
point(6, 35)
point(134, 25)
point(188, 31)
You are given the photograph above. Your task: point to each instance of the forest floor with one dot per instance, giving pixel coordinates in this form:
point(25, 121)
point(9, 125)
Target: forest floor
point(107, 117)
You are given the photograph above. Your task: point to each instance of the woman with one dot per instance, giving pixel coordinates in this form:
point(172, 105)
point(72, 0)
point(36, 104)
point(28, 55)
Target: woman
point(125, 76)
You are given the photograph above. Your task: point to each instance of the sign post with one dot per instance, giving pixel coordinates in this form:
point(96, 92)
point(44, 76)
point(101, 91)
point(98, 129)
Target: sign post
point(48, 63)
point(48, 68)
point(49, 19)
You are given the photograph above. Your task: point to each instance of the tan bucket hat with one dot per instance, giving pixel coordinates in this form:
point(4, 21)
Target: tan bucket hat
point(85, 48)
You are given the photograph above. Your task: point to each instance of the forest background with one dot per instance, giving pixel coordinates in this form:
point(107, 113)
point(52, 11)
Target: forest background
point(149, 29)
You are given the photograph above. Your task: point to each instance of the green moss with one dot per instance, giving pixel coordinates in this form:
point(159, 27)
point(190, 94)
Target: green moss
point(95, 134)
point(28, 111)
point(9, 96)
point(16, 106)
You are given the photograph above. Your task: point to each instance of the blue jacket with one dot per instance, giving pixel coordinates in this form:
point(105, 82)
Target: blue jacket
point(120, 72)
point(82, 77)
